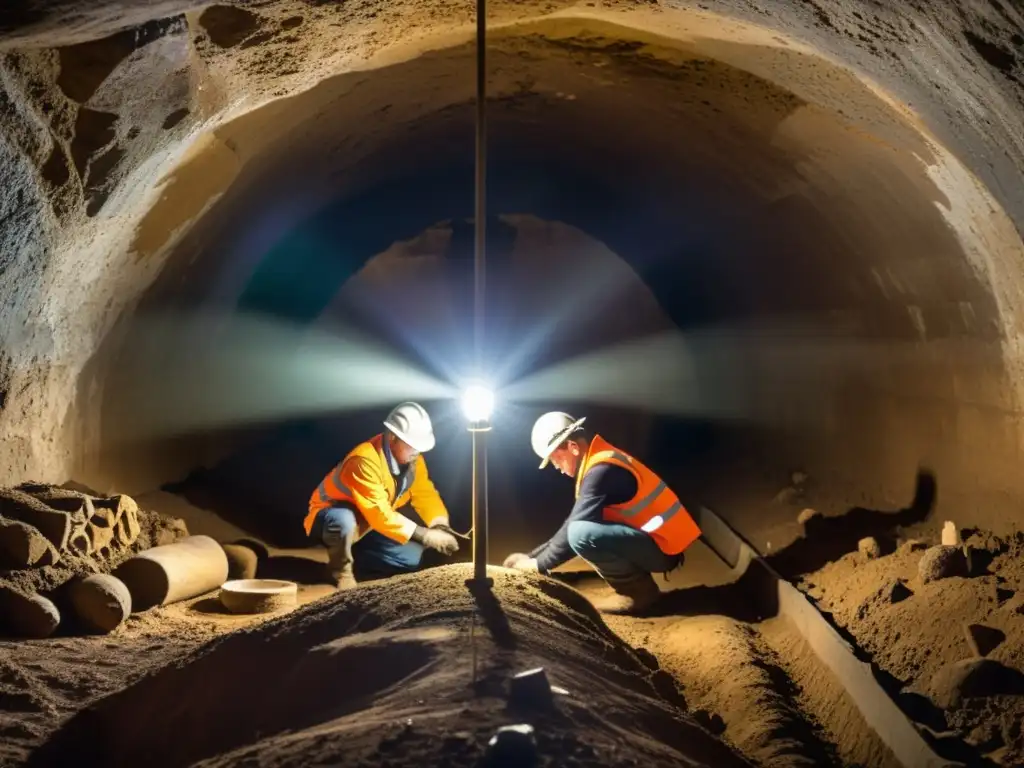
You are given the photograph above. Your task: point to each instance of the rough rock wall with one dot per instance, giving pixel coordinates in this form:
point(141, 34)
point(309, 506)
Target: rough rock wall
point(105, 109)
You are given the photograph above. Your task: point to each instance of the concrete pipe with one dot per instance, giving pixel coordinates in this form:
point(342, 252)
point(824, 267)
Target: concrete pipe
point(173, 572)
point(30, 616)
point(242, 561)
point(100, 602)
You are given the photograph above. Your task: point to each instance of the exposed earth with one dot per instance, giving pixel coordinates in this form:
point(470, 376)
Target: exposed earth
point(705, 678)
point(743, 236)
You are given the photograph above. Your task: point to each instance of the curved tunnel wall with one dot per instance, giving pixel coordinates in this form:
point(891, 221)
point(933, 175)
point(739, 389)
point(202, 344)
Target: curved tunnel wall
point(742, 204)
point(777, 231)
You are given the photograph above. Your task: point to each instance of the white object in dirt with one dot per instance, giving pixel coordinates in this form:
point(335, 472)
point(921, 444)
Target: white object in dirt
point(258, 595)
point(173, 572)
point(950, 534)
point(869, 548)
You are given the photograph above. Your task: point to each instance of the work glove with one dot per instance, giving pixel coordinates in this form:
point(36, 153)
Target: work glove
point(440, 540)
point(515, 557)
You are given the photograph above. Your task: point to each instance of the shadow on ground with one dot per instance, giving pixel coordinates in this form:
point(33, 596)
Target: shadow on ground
point(826, 539)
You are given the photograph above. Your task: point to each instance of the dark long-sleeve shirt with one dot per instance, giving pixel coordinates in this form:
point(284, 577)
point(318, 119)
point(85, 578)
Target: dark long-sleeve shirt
point(604, 485)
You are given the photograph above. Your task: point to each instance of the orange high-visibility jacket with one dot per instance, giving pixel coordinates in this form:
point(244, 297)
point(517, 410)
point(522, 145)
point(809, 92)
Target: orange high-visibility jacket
point(364, 480)
point(655, 509)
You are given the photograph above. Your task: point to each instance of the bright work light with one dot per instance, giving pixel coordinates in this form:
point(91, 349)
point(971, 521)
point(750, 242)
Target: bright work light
point(477, 403)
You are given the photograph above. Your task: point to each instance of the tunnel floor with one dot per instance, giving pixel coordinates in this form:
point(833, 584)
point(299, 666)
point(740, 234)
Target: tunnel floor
point(707, 657)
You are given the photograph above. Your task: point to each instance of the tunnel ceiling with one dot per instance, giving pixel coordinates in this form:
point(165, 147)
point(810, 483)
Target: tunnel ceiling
point(218, 157)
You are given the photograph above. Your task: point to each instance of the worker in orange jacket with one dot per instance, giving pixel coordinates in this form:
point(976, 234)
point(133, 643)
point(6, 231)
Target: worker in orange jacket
point(626, 522)
point(358, 501)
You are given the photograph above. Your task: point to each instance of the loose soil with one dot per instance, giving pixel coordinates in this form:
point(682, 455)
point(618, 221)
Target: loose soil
point(708, 669)
point(923, 630)
point(384, 675)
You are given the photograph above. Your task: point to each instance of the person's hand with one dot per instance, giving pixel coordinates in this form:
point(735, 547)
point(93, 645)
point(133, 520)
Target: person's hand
point(441, 541)
point(511, 560)
point(526, 564)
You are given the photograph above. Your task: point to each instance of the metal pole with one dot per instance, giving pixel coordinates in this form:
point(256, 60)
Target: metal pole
point(479, 272)
point(479, 431)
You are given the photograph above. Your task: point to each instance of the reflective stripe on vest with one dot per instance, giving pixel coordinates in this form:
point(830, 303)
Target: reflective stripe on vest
point(637, 512)
point(336, 479)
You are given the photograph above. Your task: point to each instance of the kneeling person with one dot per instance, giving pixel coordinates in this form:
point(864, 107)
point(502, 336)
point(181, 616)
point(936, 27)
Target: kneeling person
point(362, 493)
point(626, 522)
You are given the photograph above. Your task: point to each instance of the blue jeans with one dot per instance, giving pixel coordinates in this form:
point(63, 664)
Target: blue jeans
point(375, 555)
point(617, 551)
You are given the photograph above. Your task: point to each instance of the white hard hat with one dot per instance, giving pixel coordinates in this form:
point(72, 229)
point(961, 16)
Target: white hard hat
point(550, 431)
point(410, 423)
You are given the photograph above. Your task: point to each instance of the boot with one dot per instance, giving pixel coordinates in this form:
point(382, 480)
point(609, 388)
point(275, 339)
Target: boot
point(340, 563)
point(634, 594)
point(344, 579)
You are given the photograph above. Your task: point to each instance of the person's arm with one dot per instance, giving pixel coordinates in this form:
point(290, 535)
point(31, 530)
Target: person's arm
point(367, 486)
point(425, 498)
point(604, 485)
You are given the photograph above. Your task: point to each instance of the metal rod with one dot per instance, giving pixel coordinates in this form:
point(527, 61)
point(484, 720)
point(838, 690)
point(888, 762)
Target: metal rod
point(479, 434)
point(479, 272)
point(479, 431)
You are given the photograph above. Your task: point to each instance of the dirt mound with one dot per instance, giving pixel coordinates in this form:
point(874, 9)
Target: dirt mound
point(385, 673)
point(917, 631)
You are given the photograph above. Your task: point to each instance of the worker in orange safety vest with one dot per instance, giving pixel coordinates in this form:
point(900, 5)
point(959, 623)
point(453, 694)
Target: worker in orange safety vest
point(626, 522)
point(358, 501)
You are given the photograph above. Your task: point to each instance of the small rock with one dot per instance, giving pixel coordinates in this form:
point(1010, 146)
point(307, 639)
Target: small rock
point(807, 515)
point(100, 602)
point(512, 746)
point(983, 640)
point(30, 616)
point(973, 677)
point(531, 690)
point(950, 535)
point(941, 562)
point(870, 548)
point(242, 561)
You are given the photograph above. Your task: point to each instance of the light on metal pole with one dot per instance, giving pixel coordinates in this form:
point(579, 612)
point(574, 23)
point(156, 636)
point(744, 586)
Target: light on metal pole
point(477, 407)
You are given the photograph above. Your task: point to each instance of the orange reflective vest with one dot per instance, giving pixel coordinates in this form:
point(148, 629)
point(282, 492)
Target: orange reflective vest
point(655, 509)
point(363, 480)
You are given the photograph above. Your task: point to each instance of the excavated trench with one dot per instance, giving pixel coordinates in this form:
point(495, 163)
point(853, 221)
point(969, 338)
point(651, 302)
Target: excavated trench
point(803, 236)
